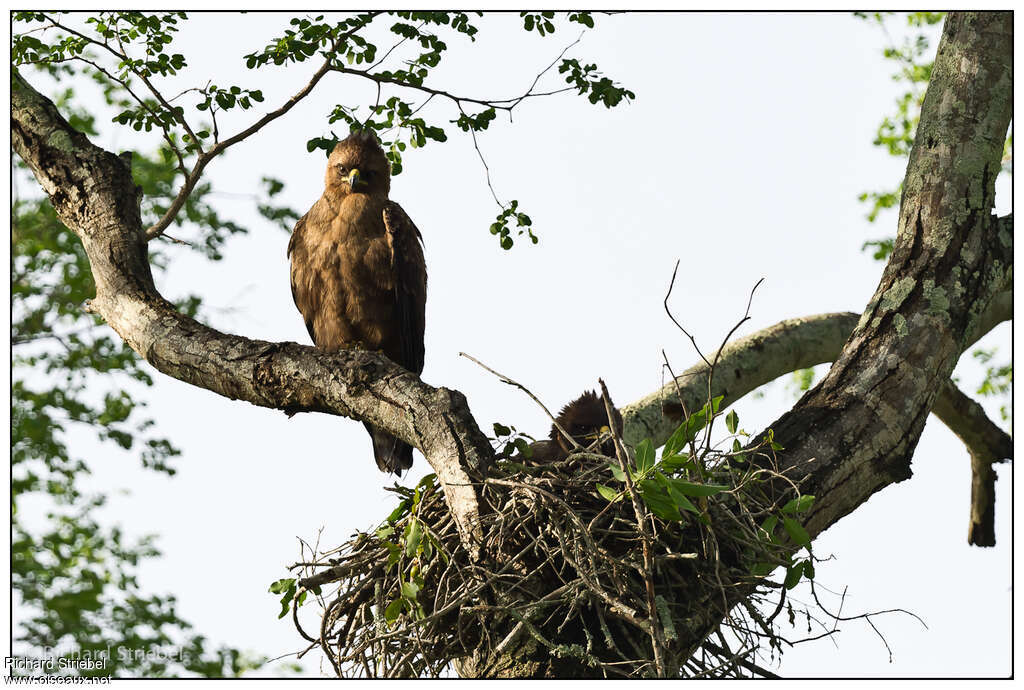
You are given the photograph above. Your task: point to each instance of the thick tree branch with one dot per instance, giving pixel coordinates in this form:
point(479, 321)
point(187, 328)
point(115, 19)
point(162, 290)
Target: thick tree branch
point(743, 366)
point(855, 432)
point(93, 194)
point(759, 358)
point(252, 370)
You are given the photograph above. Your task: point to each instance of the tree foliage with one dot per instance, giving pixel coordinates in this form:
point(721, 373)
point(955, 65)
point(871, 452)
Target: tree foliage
point(131, 52)
point(74, 574)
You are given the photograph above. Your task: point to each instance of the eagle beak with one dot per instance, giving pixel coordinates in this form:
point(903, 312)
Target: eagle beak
point(354, 180)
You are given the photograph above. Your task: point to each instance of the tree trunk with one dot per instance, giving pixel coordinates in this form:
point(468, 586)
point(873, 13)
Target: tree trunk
point(856, 431)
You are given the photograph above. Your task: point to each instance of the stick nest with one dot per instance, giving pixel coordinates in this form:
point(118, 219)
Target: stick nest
point(571, 583)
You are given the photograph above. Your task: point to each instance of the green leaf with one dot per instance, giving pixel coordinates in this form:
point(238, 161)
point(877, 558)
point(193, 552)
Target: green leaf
point(393, 610)
point(691, 426)
point(617, 472)
point(799, 505)
point(657, 499)
point(674, 463)
point(809, 569)
point(681, 501)
point(793, 574)
point(286, 598)
point(501, 430)
point(280, 586)
point(768, 526)
point(608, 493)
point(679, 438)
point(412, 538)
point(410, 590)
point(732, 421)
point(736, 448)
point(796, 532)
point(428, 483)
point(400, 511)
point(645, 456)
point(699, 490)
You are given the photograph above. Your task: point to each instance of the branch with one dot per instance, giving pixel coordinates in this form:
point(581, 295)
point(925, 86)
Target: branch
point(93, 194)
point(328, 65)
point(759, 358)
point(204, 158)
point(507, 104)
point(948, 266)
point(987, 444)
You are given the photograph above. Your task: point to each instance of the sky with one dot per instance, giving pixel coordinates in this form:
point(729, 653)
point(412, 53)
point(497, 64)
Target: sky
point(742, 157)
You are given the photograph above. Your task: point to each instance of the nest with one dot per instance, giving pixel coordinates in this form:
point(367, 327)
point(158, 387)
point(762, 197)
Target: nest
point(576, 580)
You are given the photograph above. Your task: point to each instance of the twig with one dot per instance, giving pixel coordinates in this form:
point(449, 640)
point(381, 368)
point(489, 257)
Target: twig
point(738, 659)
point(204, 158)
point(679, 325)
point(718, 354)
point(657, 634)
point(505, 379)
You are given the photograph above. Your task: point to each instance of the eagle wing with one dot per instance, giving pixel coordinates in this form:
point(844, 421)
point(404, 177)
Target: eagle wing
point(410, 282)
point(306, 289)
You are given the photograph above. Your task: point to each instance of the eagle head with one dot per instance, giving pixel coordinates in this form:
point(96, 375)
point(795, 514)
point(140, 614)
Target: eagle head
point(357, 165)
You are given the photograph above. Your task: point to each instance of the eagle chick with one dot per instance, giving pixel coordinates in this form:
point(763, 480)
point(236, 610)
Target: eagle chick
point(585, 419)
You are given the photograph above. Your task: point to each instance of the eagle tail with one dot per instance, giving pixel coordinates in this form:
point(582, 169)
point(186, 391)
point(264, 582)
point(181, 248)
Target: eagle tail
point(391, 455)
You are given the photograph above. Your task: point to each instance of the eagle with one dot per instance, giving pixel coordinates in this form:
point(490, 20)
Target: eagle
point(585, 418)
point(357, 271)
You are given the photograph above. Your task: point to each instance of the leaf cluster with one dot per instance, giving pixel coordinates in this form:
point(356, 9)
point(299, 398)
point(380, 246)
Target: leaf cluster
point(589, 82)
point(503, 228)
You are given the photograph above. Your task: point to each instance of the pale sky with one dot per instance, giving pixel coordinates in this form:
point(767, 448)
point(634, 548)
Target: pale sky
point(742, 155)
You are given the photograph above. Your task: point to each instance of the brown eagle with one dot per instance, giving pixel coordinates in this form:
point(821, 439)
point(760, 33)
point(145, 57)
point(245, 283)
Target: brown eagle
point(357, 271)
point(584, 418)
